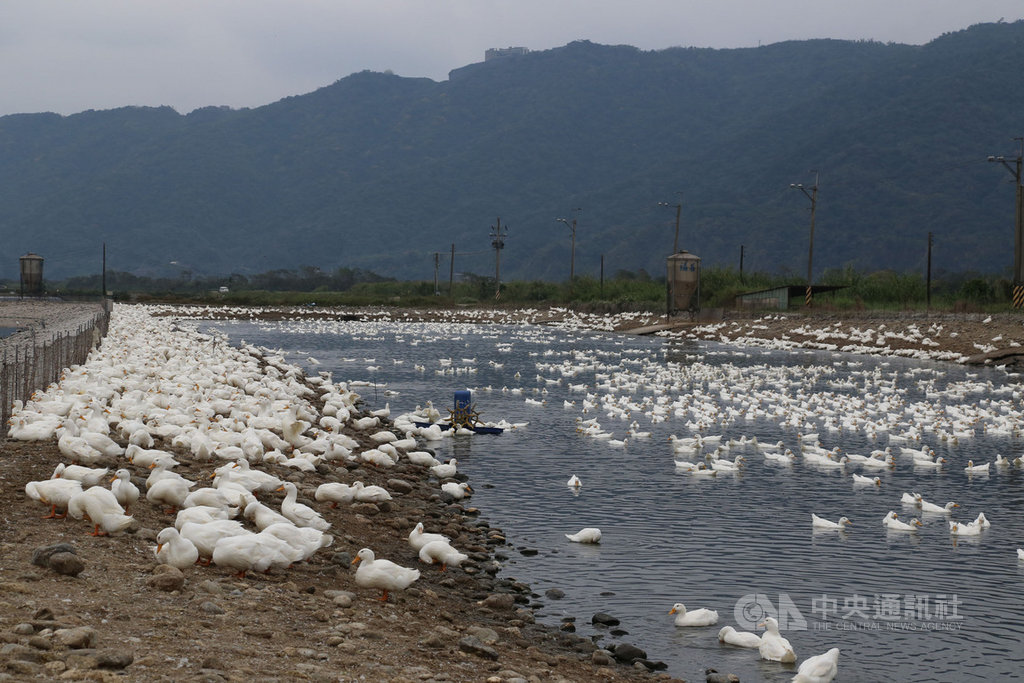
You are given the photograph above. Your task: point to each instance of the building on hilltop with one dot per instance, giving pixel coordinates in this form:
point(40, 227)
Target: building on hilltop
point(499, 52)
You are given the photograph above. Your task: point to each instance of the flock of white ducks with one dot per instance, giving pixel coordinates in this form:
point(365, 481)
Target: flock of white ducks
point(153, 382)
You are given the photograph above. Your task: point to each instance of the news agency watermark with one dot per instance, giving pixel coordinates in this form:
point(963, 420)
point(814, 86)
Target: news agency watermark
point(876, 612)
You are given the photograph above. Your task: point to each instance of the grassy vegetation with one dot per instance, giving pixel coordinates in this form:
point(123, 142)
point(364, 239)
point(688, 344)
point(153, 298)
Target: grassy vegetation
point(878, 290)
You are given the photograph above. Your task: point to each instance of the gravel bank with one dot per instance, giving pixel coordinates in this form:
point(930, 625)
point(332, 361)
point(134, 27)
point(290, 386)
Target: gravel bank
point(40, 321)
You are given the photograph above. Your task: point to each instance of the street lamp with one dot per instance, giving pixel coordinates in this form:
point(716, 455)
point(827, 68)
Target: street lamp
point(1018, 261)
point(572, 252)
point(813, 196)
point(679, 210)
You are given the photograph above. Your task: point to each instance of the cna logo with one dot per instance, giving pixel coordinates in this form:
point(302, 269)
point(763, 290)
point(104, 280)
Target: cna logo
point(753, 608)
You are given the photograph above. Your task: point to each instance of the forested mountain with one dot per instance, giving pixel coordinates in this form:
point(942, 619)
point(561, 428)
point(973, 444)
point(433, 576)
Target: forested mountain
point(379, 172)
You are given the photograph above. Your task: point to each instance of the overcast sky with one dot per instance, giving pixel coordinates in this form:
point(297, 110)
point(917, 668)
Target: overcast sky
point(67, 56)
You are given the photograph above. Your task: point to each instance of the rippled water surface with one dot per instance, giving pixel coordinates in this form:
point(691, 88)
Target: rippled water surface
point(919, 606)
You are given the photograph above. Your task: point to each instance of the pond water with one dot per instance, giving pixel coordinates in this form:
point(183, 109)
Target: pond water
point(908, 606)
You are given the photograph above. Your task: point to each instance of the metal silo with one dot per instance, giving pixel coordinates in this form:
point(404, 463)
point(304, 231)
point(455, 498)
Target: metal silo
point(31, 274)
point(683, 283)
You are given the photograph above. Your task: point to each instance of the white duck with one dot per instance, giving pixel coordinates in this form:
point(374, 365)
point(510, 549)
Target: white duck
point(585, 535)
point(941, 509)
point(976, 469)
point(861, 480)
point(787, 457)
point(252, 551)
point(739, 638)
point(574, 482)
point(886, 461)
point(819, 668)
point(205, 535)
point(370, 494)
point(124, 490)
point(99, 506)
point(382, 574)
point(419, 538)
point(774, 647)
point(208, 496)
point(53, 492)
point(422, 458)
point(169, 492)
point(21, 429)
point(88, 476)
point(147, 457)
point(263, 516)
point(299, 514)
point(441, 552)
point(456, 491)
point(929, 464)
point(173, 549)
point(445, 470)
point(159, 472)
point(891, 522)
point(964, 528)
point(910, 498)
point(254, 480)
point(304, 540)
point(200, 514)
point(334, 493)
point(76, 448)
point(822, 523)
point(376, 456)
point(698, 617)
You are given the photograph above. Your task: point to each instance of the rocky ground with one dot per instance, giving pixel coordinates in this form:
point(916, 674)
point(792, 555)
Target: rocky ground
point(106, 610)
point(114, 614)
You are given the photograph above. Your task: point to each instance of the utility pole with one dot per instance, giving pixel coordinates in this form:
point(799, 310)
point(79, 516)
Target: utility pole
point(928, 278)
point(498, 242)
point(813, 196)
point(679, 211)
point(437, 260)
point(451, 274)
point(1018, 259)
point(572, 252)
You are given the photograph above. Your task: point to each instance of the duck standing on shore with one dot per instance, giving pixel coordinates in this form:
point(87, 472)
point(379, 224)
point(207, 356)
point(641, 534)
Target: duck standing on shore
point(174, 549)
point(299, 514)
point(382, 574)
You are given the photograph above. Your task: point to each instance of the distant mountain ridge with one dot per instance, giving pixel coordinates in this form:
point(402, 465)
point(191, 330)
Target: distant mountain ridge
point(377, 171)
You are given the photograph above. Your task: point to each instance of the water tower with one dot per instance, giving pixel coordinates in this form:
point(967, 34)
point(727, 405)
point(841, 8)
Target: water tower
point(31, 274)
point(683, 283)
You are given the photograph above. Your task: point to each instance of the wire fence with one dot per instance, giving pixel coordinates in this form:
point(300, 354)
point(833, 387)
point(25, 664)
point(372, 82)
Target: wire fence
point(25, 369)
